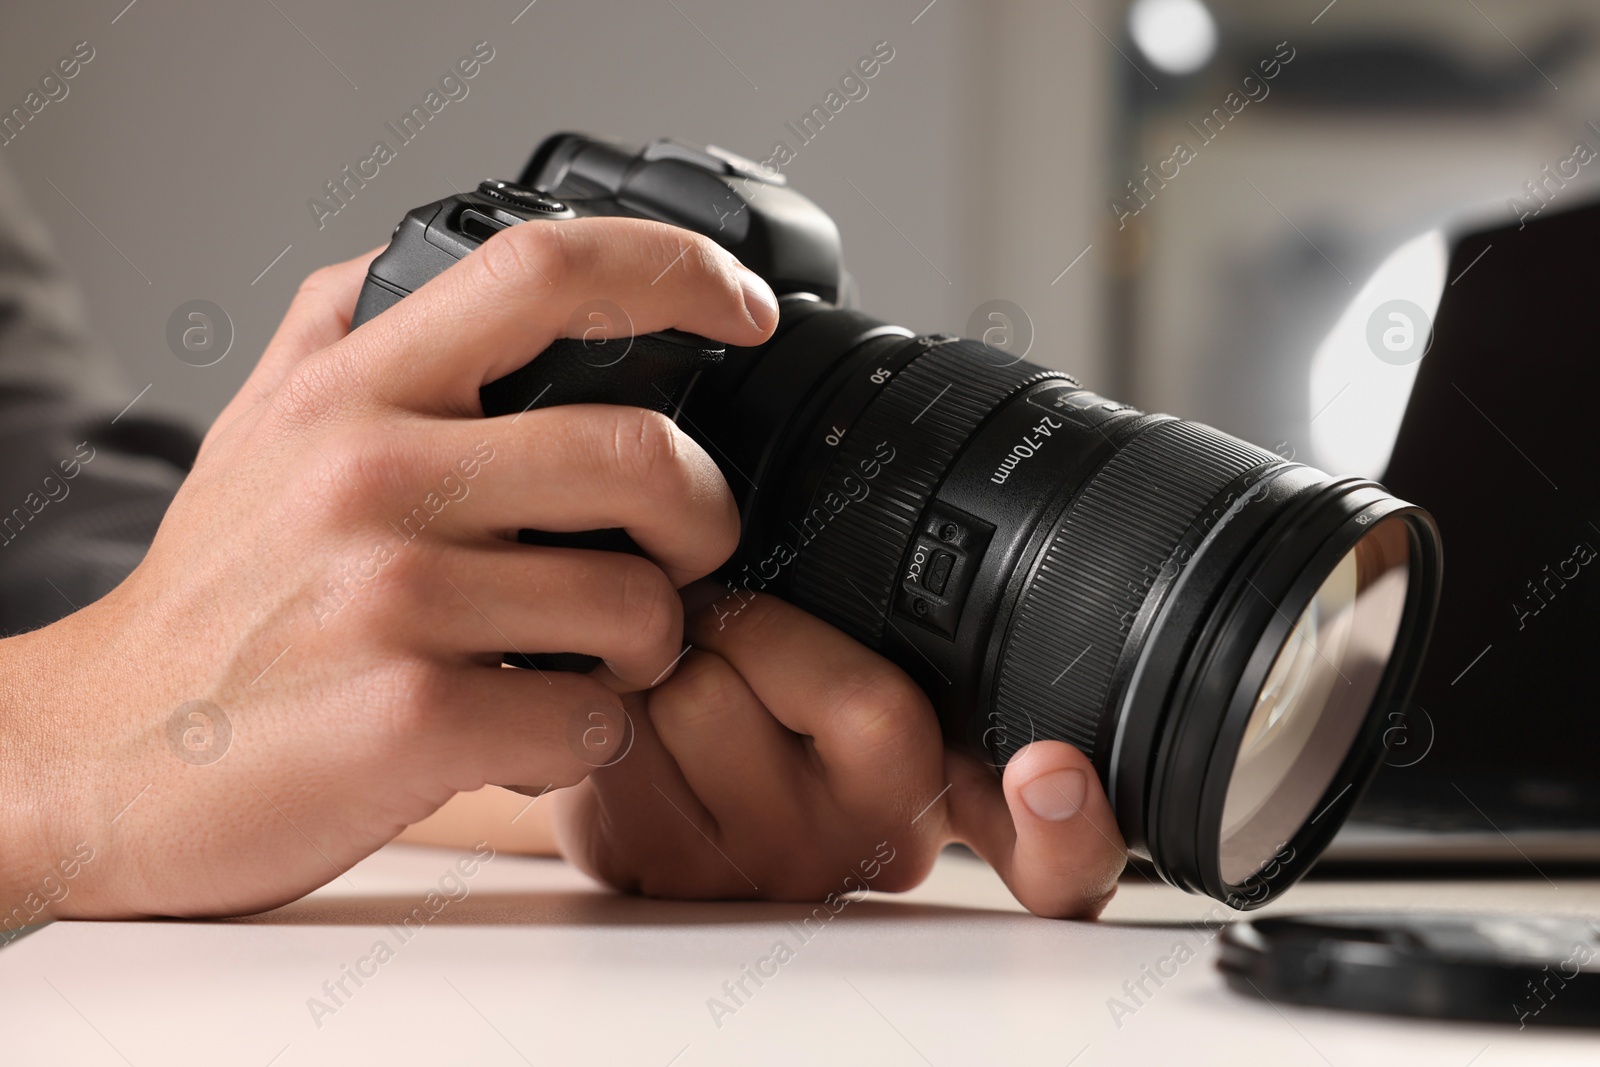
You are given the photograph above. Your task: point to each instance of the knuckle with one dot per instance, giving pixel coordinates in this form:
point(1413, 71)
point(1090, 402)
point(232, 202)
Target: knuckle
point(712, 269)
point(692, 260)
point(700, 695)
point(410, 697)
point(539, 255)
point(310, 393)
point(368, 465)
point(411, 571)
point(364, 591)
point(885, 710)
point(647, 605)
point(648, 452)
point(350, 474)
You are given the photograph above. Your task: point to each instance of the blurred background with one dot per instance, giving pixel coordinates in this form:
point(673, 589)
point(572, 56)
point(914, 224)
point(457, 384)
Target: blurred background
point(1178, 200)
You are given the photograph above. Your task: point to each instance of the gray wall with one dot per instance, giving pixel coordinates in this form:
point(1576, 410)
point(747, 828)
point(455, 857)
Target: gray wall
point(193, 140)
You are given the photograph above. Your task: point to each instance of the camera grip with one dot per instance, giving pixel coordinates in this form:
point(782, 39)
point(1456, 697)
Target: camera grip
point(652, 371)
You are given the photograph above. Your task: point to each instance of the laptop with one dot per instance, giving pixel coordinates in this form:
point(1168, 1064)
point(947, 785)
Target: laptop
point(1495, 762)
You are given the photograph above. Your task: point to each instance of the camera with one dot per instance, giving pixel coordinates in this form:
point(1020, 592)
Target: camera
point(1220, 630)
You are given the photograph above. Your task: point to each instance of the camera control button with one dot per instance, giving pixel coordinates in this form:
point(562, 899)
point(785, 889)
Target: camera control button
point(521, 196)
point(742, 167)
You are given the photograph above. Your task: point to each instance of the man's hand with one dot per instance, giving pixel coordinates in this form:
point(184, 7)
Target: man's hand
point(784, 761)
point(308, 658)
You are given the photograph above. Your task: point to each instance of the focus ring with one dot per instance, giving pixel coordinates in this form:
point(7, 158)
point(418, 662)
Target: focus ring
point(925, 414)
point(1070, 626)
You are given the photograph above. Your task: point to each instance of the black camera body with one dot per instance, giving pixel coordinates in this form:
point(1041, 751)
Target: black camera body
point(1219, 629)
point(772, 229)
point(651, 371)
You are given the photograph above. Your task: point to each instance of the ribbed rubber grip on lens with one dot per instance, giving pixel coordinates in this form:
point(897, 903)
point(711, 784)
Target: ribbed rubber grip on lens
point(1069, 628)
point(849, 559)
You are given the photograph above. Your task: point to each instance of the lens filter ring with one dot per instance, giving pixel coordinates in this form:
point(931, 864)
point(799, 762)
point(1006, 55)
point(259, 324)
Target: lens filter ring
point(1259, 604)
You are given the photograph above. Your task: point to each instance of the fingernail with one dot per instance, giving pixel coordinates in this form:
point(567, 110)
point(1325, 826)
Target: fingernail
point(1057, 796)
point(759, 303)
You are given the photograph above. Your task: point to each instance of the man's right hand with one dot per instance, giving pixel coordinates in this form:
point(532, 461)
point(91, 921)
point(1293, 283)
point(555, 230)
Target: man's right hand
point(339, 575)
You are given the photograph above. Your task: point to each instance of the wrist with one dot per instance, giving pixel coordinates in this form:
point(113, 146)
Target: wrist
point(29, 813)
point(57, 746)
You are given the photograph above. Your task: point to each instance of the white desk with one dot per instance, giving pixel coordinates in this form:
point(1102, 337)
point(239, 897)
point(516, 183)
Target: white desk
point(537, 966)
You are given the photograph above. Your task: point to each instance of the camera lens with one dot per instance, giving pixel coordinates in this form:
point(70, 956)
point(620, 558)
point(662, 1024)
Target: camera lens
point(1216, 627)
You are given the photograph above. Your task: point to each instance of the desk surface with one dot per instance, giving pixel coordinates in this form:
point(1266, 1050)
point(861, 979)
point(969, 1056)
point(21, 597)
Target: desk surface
point(534, 965)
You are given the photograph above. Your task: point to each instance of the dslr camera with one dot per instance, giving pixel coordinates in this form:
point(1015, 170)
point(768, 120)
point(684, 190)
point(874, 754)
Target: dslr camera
point(1222, 631)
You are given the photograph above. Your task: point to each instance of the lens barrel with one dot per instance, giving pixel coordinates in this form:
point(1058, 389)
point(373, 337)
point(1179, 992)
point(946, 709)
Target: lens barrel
point(1050, 564)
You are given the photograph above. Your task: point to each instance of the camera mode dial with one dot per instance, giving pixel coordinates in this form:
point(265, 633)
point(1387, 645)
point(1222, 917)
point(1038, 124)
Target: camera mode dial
point(520, 196)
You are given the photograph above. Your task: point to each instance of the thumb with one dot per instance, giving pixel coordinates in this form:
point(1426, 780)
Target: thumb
point(1047, 829)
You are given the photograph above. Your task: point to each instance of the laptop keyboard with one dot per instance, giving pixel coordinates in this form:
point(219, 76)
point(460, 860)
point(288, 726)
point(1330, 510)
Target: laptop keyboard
point(1510, 805)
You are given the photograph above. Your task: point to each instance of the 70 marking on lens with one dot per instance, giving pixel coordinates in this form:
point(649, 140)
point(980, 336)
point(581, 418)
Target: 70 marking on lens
point(836, 433)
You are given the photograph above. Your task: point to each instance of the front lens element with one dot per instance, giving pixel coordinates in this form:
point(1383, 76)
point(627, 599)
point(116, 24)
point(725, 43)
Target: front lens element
point(1316, 697)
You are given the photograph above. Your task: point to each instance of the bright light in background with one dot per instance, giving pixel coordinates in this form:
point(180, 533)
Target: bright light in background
point(1361, 377)
point(1178, 36)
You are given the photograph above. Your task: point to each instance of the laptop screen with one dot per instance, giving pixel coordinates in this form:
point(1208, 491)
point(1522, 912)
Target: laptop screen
point(1501, 441)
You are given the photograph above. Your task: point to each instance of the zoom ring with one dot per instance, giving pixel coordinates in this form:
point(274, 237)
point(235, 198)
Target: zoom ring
point(925, 415)
point(1069, 628)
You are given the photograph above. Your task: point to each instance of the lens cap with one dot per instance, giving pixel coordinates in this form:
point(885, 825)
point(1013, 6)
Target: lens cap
point(1483, 968)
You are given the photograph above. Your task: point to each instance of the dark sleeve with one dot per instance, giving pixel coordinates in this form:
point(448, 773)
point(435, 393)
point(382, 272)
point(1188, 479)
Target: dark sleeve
point(83, 484)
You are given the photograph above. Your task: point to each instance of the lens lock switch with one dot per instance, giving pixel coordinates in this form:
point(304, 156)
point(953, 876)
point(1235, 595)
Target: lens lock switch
point(939, 568)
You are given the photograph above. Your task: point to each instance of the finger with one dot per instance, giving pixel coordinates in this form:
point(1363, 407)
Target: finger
point(873, 731)
point(512, 727)
point(1049, 831)
point(502, 305)
point(597, 466)
point(519, 598)
point(740, 761)
point(318, 316)
point(658, 838)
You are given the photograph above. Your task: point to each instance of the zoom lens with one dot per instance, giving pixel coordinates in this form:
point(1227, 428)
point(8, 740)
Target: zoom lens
point(1217, 628)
